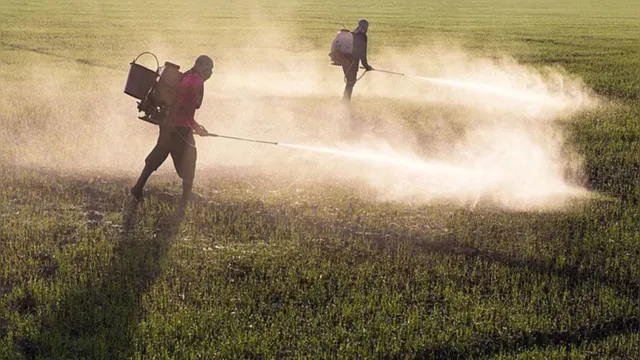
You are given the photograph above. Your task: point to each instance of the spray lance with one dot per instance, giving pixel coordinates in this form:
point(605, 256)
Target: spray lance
point(385, 71)
point(242, 139)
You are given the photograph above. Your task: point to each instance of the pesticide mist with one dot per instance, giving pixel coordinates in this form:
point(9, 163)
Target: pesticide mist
point(454, 127)
point(471, 129)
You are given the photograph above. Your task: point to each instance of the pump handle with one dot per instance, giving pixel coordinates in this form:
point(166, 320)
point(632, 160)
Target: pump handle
point(152, 54)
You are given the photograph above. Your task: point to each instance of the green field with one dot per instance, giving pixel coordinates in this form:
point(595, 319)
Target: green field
point(275, 259)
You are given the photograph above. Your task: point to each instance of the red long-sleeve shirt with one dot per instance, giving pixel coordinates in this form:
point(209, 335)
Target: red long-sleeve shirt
point(188, 99)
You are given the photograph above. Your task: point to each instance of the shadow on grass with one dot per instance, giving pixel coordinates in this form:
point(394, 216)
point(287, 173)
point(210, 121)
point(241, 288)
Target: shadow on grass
point(492, 346)
point(574, 274)
point(99, 318)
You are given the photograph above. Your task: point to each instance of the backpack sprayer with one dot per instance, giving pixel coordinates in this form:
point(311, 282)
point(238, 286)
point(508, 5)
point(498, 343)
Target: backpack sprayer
point(342, 47)
point(156, 90)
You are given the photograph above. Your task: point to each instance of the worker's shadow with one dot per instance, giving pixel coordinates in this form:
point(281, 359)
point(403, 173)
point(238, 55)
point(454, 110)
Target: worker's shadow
point(98, 319)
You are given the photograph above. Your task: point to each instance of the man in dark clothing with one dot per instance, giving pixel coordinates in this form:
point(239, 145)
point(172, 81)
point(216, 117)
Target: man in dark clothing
point(176, 132)
point(350, 68)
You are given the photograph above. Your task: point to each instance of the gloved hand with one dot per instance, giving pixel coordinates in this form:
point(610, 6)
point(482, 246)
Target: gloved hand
point(202, 131)
point(368, 68)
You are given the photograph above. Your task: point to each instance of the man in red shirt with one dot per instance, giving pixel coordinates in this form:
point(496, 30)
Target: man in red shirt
point(176, 132)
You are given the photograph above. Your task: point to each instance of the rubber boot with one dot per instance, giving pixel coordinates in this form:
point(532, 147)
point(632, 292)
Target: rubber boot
point(136, 190)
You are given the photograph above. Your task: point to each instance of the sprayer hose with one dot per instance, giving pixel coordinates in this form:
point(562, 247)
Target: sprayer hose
point(357, 79)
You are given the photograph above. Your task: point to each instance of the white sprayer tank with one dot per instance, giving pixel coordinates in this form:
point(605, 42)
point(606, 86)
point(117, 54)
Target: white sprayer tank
point(343, 42)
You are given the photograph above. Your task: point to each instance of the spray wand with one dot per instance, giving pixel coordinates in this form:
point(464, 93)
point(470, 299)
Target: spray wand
point(243, 139)
point(385, 71)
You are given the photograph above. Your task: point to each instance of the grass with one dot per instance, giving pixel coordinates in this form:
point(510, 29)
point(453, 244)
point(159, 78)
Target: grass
point(285, 277)
point(269, 267)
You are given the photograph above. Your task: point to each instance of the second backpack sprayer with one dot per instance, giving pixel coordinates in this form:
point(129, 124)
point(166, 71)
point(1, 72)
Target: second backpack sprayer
point(156, 90)
point(341, 48)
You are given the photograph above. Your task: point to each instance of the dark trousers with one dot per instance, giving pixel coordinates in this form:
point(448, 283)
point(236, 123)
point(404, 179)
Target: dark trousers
point(350, 71)
point(180, 144)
